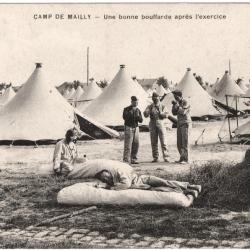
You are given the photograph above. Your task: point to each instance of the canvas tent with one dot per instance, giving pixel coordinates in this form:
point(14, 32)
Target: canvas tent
point(243, 130)
point(91, 92)
point(66, 93)
point(39, 112)
point(226, 86)
point(160, 90)
point(7, 96)
point(76, 96)
point(108, 107)
point(199, 100)
point(71, 94)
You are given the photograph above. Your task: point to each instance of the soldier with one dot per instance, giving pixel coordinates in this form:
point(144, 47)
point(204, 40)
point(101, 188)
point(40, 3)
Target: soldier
point(132, 116)
point(181, 108)
point(158, 114)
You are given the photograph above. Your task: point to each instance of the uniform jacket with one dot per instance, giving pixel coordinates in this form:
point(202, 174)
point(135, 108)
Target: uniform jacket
point(132, 116)
point(182, 112)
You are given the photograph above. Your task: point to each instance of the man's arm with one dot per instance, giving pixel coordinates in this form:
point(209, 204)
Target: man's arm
point(146, 113)
point(57, 157)
point(125, 114)
point(175, 108)
point(184, 108)
point(139, 116)
point(124, 183)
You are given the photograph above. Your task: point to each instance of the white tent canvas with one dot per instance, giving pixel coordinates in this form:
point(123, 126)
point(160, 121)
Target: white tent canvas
point(71, 94)
point(226, 86)
point(91, 92)
point(66, 93)
point(37, 112)
point(243, 130)
point(76, 96)
point(160, 90)
point(199, 100)
point(108, 107)
point(212, 88)
point(7, 96)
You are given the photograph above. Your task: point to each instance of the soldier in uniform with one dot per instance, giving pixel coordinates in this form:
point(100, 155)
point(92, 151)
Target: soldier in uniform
point(158, 114)
point(181, 108)
point(132, 116)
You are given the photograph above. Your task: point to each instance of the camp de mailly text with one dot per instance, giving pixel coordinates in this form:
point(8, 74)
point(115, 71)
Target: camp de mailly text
point(131, 17)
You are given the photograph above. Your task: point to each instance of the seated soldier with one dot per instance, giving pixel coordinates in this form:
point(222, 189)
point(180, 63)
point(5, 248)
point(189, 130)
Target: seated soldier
point(65, 154)
point(120, 180)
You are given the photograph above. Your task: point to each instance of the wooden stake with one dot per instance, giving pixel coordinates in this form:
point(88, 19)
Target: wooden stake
point(228, 119)
point(63, 216)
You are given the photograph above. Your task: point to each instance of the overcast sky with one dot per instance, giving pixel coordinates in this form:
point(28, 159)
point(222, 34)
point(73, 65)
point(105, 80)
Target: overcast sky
point(149, 48)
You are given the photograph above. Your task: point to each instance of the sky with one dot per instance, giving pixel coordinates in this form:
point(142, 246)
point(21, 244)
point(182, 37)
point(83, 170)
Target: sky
point(148, 48)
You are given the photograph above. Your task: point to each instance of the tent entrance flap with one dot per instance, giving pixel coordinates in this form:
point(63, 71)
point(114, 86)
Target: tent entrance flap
point(91, 129)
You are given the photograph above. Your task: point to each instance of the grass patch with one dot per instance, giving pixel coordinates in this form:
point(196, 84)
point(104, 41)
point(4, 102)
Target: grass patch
point(224, 185)
point(28, 199)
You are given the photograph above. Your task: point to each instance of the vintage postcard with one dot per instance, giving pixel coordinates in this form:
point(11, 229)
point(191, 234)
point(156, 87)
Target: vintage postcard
point(124, 125)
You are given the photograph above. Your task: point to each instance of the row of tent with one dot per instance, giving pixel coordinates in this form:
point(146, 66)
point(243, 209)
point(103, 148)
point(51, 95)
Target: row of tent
point(39, 112)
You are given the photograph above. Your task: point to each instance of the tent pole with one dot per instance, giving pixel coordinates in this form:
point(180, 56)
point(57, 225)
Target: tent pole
point(236, 106)
point(228, 119)
point(87, 66)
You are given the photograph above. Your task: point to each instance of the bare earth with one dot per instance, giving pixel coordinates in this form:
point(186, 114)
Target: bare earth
point(109, 227)
point(39, 160)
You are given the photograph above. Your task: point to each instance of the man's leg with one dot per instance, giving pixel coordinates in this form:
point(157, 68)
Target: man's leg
point(135, 145)
point(128, 139)
point(154, 141)
point(154, 181)
point(184, 143)
point(162, 136)
point(179, 140)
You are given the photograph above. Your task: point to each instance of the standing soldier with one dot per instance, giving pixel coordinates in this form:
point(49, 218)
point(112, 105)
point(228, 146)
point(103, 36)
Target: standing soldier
point(157, 113)
point(181, 108)
point(132, 116)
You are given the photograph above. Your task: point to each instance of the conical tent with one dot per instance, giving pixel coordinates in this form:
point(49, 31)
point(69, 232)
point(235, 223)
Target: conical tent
point(160, 90)
point(213, 88)
point(66, 93)
point(149, 92)
point(199, 100)
point(243, 130)
point(226, 86)
point(71, 94)
point(91, 92)
point(76, 96)
point(167, 101)
point(7, 96)
point(39, 112)
point(108, 107)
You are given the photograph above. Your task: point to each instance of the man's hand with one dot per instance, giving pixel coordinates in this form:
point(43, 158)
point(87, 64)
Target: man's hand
point(162, 116)
point(101, 185)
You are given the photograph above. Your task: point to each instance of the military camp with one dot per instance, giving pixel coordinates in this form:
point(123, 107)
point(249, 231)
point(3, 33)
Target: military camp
point(124, 133)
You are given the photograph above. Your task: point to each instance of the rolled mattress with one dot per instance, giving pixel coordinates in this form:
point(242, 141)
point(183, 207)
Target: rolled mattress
point(88, 194)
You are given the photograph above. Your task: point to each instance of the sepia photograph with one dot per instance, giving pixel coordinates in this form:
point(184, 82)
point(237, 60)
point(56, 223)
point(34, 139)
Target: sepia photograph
point(124, 125)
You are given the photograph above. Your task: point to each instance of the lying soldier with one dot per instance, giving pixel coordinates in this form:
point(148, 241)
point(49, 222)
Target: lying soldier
point(128, 179)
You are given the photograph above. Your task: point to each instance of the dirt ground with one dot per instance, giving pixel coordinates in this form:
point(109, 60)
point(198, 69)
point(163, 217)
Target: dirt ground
point(29, 192)
point(29, 159)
